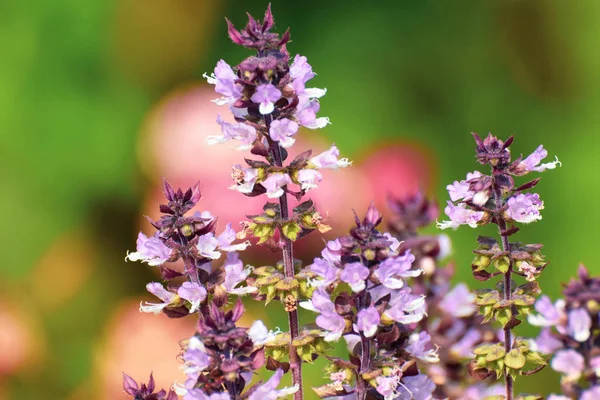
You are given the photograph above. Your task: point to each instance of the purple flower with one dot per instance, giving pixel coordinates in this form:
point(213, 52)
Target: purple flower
point(159, 291)
point(592, 393)
point(545, 342)
point(268, 390)
point(320, 301)
point(308, 178)
point(325, 270)
point(461, 190)
point(329, 159)
point(266, 95)
point(482, 391)
point(195, 358)
point(355, 275)
point(394, 243)
point(333, 323)
point(301, 70)
point(417, 387)
point(306, 114)
point(579, 324)
point(332, 252)
point(404, 307)
point(524, 208)
point(282, 130)
point(235, 273)
point(367, 321)
point(550, 314)
point(459, 215)
point(145, 391)
point(420, 346)
point(387, 385)
point(274, 184)
point(150, 250)
point(259, 334)
point(224, 80)
point(464, 347)
point(459, 302)
point(569, 363)
point(392, 269)
point(531, 162)
point(558, 397)
point(207, 246)
point(244, 133)
point(244, 178)
point(192, 292)
point(227, 237)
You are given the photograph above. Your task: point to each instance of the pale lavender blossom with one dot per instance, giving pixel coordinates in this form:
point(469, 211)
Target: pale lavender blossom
point(266, 95)
point(417, 387)
point(329, 159)
point(239, 131)
point(569, 363)
point(244, 178)
point(332, 252)
point(355, 275)
point(458, 302)
point(274, 184)
point(192, 292)
point(150, 250)
point(282, 130)
point(420, 346)
point(531, 163)
point(235, 273)
point(464, 347)
point(460, 215)
point(226, 239)
point(207, 246)
point(308, 178)
point(368, 320)
point(391, 271)
point(260, 334)
point(482, 391)
point(224, 80)
point(461, 190)
point(558, 397)
point(163, 294)
point(546, 342)
point(394, 243)
point(404, 307)
point(306, 114)
point(524, 208)
point(269, 391)
point(529, 270)
point(319, 302)
point(324, 270)
point(579, 324)
point(301, 70)
point(387, 385)
point(195, 358)
point(592, 393)
point(549, 314)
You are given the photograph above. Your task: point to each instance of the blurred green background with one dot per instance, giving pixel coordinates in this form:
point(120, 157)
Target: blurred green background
point(79, 79)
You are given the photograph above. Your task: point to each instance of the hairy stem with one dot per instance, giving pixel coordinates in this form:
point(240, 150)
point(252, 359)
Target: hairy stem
point(508, 381)
point(288, 271)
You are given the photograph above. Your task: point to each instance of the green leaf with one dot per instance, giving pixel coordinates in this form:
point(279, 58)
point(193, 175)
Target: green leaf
point(291, 230)
point(514, 359)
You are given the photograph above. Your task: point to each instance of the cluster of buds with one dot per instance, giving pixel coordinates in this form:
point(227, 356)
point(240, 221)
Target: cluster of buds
point(452, 319)
point(220, 360)
point(495, 199)
point(361, 294)
point(269, 100)
point(571, 333)
point(192, 239)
